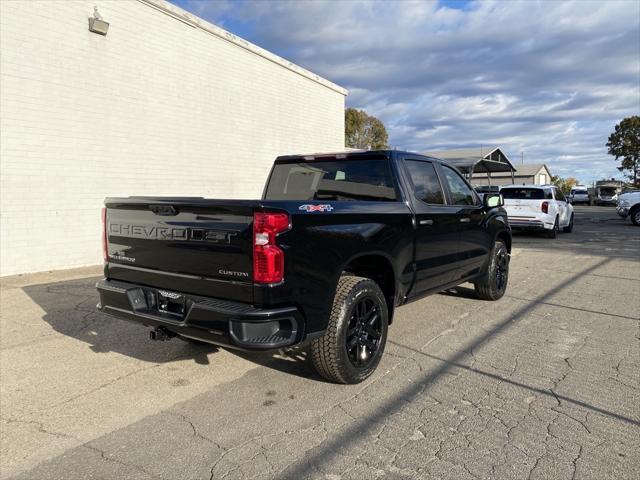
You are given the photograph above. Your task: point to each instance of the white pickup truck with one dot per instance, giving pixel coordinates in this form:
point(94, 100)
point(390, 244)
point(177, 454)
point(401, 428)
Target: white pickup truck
point(537, 207)
point(629, 206)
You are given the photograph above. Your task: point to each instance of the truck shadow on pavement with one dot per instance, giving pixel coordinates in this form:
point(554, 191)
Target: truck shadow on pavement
point(294, 361)
point(70, 308)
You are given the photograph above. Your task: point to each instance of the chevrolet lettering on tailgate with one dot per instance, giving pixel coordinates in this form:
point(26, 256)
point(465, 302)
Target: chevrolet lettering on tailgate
point(168, 233)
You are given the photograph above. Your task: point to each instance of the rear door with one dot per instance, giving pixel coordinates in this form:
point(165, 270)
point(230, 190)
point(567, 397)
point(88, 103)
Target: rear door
point(436, 246)
point(475, 239)
point(194, 246)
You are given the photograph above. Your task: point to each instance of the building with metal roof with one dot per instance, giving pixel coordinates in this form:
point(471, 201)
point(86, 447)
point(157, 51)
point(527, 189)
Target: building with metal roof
point(486, 161)
point(528, 173)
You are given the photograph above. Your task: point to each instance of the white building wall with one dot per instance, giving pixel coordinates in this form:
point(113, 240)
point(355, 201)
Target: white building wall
point(160, 106)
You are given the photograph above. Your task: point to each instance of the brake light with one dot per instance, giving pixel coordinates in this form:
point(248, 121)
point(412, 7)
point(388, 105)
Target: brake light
point(545, 207)
point(105, 251)
point(268, 258)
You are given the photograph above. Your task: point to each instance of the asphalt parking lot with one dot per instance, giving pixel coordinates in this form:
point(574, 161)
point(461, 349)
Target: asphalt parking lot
point(542, 384)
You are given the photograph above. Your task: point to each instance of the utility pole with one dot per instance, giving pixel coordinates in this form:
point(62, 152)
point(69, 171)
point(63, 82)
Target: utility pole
point(521, 158)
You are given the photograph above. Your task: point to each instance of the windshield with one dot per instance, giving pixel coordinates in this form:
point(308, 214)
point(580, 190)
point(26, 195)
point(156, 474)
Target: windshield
point(607, 190)
point(332, 180)
point(523, 193)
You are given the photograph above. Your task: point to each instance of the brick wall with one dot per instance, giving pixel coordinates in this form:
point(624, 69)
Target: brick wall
point(165, 104)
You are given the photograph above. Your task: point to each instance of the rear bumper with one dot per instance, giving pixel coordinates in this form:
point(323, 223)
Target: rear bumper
point(518, 223)
point(580, 200)
point(221, 322)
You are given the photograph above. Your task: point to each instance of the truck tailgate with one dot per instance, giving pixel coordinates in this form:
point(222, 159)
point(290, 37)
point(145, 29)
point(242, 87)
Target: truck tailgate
point(191, 245)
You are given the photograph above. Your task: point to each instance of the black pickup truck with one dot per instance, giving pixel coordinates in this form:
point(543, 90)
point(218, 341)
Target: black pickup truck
point(336, 243)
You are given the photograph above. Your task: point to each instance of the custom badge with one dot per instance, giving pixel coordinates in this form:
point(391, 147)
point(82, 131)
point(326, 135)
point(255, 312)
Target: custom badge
point(315, 208)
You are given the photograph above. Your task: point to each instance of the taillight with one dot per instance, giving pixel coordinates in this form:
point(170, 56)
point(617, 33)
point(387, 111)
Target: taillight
point(268, 258)
point(545, 207)
point(105, 251)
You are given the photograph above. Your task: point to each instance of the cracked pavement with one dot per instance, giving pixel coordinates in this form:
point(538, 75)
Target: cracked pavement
point(541, 384)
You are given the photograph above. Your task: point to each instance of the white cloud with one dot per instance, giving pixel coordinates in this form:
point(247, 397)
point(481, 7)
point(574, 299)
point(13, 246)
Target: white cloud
point(549, 78)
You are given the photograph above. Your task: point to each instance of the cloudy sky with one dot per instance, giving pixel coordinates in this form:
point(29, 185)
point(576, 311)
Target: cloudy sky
point(547, 78)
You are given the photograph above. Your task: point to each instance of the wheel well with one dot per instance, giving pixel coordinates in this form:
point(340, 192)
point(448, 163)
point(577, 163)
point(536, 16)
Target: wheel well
point(379, 269)
point(506, 238)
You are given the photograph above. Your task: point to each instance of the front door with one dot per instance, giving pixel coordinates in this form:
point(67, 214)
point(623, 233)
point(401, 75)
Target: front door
point(436, 245)
point(475, 241)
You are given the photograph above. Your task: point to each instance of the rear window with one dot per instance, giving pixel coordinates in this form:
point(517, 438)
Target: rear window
point(523, 193)
point(332, 180)
point(580, 192)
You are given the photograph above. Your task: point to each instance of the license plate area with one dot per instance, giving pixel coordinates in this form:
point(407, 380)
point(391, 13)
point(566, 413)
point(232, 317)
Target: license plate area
point(171, 303)
point(163, 303)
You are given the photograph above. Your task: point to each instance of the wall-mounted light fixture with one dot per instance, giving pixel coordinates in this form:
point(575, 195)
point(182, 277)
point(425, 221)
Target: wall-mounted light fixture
point(97, 24)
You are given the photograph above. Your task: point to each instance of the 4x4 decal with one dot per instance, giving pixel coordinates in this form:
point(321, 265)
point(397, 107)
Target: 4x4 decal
point(315, 208)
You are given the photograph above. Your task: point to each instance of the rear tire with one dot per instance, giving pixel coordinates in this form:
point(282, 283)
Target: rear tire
point(635, 216)
point(356, 335)
point(493, 283)
point(553, 233)
point(569, 228)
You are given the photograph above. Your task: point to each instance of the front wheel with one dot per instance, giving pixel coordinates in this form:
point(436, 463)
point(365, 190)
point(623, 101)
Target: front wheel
point(493, 283)
point(356, 335)
point(569, 228)
point(635, 216)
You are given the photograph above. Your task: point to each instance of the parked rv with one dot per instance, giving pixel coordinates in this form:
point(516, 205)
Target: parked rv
point(607, 191)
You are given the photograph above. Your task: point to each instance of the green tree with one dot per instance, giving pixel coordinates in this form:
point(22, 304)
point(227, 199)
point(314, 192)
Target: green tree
point(624, 143)
point(364, 131)
point(564, 184)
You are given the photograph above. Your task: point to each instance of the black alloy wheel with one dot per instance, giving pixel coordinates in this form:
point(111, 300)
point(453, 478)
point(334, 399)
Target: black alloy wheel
point(492, 285)
point(356, 334)
point(501, 270)
point(364, 332)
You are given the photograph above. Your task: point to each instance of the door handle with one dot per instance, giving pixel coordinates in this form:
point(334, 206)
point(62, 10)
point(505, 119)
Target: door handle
point(465, 220)
point(426, 222)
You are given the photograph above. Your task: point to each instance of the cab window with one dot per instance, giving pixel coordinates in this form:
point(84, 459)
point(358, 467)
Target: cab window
point(426, 185)
point(461, 193)
point(332, 179)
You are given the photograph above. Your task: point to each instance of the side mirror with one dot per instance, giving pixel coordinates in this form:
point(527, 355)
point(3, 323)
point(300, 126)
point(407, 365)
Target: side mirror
point(492, 200)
